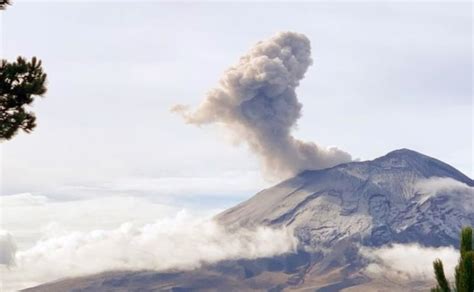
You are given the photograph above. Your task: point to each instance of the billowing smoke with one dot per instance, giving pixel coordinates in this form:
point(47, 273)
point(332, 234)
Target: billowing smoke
point(257, 102)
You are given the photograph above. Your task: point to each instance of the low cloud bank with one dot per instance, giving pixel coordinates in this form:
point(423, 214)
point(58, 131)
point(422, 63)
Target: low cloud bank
point(256, 101)
point(183, 242)
point(409, 261)
point(45, 214)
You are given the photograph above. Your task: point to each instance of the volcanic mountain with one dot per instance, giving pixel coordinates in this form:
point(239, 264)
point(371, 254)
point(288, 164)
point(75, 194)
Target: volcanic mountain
point(376, 202)
point(402, 197)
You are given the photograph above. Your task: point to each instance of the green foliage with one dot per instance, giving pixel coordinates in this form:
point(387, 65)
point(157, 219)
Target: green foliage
point(443, 284)
point(20, 81)
point(464, 274)
point(466, 241)
point(457, 278)
point(464, 271)
point(4, 3)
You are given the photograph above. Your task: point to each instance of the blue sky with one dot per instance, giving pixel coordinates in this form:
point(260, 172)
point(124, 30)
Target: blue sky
point(385, 76)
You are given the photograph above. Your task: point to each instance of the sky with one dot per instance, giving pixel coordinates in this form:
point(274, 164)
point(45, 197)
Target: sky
point(385, 76)
point(107, 149)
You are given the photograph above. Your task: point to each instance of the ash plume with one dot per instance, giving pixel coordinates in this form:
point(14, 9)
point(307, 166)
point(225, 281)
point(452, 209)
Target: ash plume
point(256, 101)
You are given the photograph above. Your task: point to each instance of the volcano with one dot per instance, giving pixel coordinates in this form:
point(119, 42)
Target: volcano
point(375, 202)
point(403, 197)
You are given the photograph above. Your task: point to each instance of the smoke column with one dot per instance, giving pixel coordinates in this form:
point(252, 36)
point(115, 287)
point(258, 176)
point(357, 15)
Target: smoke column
point(256, 101)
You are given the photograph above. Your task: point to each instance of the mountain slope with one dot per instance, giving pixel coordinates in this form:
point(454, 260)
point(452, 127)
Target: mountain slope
point(374, 202)
point(402, 197)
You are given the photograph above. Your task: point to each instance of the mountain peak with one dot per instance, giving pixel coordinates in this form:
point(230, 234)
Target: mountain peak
point(424, 165)
point(374, 202)
point(400, 160)
point(405, 154)
point(403, 151)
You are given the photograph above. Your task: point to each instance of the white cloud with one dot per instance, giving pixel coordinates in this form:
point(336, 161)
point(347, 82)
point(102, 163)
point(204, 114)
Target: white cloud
point(7, 249)
point(28, 216)
point(434, 185)
point(183, 242)
point(409, 261)
point(23, 199)
point(223, 185)
point(57, 238)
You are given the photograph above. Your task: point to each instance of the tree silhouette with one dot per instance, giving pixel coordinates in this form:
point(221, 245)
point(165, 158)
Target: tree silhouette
point(443, 285)
point(464, 271)
point(20, 82)
point(4, 3)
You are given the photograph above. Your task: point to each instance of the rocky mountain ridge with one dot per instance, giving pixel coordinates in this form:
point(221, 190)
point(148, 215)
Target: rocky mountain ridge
point(376, 202)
